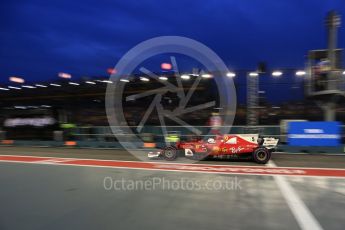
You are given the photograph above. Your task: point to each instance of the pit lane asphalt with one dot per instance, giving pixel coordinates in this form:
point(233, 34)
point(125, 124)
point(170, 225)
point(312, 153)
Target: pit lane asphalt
point(38, 196)
point(316, 160)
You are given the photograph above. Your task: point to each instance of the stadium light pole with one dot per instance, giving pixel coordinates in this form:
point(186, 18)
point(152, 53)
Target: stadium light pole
point(332, 23)
point(252, 98)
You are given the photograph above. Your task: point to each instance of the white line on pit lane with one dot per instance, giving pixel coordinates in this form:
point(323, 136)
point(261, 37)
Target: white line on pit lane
point(303, 216)
point(312, 154)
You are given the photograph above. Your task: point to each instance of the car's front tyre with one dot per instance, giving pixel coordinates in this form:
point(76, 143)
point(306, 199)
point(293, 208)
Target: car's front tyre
point(169, 153)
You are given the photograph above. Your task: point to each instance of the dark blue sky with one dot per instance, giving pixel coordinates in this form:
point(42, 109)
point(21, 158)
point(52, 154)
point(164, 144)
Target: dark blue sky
point(40, 38)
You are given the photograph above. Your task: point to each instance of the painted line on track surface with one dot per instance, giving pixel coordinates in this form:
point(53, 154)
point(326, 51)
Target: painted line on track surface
point(179, 167)
point(302, 214)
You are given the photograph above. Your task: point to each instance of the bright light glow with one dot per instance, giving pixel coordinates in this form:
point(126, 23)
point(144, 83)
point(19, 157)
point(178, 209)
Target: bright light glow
point(163, 78)
point(124, 80)
point(39, 122)
point(277, 73)
point(111, 71)
point(231, 74)
point(253, 74)
point(166, 66)
point(29, 86)
point(144, 79)
point(45, 106)
point(300, 73)
point(107, 81)
point(12, 87)
point(65, 75)
point(73, 83)
point(17, 79)
point(52, 84)
point(206, 75)
point(42, 86)
point(344, 72)
point(4, 89)
point(185, 77)
point(90, 82)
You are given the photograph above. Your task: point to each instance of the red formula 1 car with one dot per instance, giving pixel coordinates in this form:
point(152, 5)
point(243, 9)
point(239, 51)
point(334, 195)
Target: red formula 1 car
point(222, 146)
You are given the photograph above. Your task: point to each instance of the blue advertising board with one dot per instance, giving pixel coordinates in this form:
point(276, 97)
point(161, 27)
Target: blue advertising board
point(314, 133)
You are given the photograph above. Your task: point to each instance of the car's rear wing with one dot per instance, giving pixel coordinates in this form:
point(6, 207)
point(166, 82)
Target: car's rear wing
point(270, 142)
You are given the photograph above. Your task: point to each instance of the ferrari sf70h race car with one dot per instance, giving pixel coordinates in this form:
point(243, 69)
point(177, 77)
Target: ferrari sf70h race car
point(232, 146)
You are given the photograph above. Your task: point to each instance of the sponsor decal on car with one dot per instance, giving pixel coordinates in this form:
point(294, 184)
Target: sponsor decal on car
point(236, 150)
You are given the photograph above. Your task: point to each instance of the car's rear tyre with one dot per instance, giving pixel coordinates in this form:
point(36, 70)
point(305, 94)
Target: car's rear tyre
point(169, 153)
point(261, 155)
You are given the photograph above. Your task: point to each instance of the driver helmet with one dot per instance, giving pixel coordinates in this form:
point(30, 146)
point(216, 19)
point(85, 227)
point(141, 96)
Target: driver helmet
point(211, 141)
